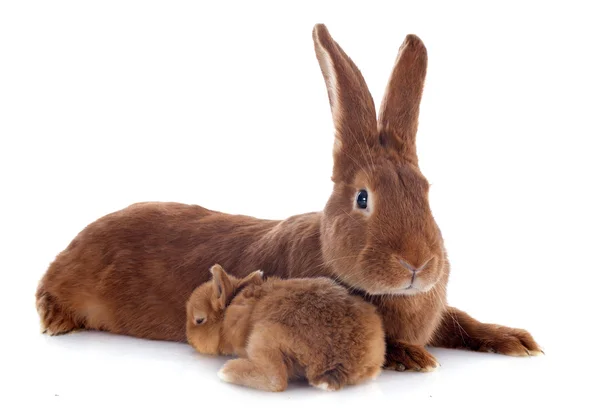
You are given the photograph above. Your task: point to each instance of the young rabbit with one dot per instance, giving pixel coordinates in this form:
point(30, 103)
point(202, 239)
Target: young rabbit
point(131, 271)
point(282, 329)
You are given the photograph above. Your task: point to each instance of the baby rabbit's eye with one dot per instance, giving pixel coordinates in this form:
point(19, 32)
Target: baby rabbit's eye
point(200, 321)
point(362, 198)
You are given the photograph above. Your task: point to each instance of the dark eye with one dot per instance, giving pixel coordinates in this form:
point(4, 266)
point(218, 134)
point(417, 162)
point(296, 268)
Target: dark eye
point(361, 199)
point(199, 321)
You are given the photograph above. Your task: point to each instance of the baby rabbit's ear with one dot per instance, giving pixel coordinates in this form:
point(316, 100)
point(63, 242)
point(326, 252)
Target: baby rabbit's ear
point(253, 278)
point(223, 286)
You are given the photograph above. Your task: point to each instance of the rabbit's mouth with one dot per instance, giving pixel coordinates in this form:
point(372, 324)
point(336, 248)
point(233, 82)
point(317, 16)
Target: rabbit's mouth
point(413, 286)
point(390, 280)
point(398, 278)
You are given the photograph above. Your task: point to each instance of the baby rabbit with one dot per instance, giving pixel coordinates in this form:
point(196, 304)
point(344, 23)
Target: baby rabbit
point(282, 329)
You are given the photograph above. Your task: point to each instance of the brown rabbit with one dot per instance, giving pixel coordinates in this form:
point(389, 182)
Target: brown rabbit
point(282, 329)
point(132, 271)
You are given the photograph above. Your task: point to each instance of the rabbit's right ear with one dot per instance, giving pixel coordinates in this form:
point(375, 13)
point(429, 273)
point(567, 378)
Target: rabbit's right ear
point(252, 278)
point(352, 106)
point(223, 286)
point(399, 112)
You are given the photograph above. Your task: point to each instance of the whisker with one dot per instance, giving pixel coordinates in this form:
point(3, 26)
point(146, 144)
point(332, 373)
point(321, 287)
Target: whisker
point(455, 322)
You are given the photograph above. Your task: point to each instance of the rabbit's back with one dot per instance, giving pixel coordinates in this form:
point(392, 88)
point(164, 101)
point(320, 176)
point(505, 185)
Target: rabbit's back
point(131, 271)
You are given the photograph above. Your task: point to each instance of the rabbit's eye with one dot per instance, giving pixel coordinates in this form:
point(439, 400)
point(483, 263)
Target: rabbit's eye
point(199, 321)
point(362, 198)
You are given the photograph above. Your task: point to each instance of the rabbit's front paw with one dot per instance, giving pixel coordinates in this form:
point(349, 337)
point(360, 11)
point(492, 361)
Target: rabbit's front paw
point(508, 341)
point(409, 357)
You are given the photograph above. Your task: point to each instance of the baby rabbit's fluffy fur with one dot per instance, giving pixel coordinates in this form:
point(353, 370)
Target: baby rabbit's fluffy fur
point(283, 329)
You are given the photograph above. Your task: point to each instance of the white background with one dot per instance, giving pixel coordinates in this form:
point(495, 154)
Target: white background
point(222, 104)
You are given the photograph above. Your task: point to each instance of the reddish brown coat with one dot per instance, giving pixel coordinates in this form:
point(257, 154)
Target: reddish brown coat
point(308, 328)
point(132, 271)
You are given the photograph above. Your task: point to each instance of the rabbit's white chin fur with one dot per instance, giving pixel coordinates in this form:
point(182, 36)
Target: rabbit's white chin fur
point(402, 291)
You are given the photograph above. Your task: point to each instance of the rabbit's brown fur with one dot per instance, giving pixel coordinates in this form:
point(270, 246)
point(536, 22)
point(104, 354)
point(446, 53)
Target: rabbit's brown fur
point(132, 271)
point(282, 329)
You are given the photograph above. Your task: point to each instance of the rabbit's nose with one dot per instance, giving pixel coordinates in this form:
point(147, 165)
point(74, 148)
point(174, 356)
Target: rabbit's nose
point(408, 266)
point(412, 268)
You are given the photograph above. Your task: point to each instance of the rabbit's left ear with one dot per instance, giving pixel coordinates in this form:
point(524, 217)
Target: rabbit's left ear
point(352, 106)
point(223, 285)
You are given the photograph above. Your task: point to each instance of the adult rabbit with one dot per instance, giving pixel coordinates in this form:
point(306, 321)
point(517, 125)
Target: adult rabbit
point(132, 271)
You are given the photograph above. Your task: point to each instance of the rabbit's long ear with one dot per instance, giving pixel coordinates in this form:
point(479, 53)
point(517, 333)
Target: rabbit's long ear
point(223, 286)
point(352, 106)
point(399, 112)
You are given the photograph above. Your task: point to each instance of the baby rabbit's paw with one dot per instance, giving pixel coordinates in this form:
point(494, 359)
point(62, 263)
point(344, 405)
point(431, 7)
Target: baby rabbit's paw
point(409, 357)
point(332, 380)
point(245, 372)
